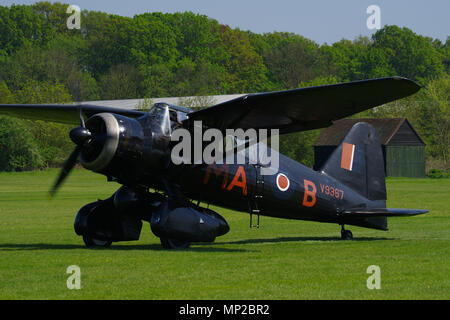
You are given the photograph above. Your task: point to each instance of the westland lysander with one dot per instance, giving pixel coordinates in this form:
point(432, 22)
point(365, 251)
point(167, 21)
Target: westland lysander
point(134, 148)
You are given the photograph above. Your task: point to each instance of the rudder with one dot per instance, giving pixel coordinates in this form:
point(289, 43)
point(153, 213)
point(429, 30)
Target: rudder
point(358, 162)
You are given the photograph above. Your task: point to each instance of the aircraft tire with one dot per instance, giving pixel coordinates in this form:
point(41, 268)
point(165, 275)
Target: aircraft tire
point(92, 242)
point(174, 244)
point(346, 235)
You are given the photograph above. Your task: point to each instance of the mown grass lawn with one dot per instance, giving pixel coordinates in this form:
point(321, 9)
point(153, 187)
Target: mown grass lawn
point(283, 259)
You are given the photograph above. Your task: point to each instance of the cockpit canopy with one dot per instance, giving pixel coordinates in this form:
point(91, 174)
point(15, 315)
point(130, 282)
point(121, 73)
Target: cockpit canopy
point(168, 116)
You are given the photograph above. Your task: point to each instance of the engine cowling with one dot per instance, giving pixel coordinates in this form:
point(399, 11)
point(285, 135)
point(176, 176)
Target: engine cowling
point(118, 146)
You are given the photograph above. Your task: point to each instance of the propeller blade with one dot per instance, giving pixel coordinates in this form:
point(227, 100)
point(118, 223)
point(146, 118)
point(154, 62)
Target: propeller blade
point(68, 166)
point(82, 118)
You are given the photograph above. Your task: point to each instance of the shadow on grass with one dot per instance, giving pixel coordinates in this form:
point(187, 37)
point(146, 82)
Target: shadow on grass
point(299, 239)
point(196, 247)
point(137, 247)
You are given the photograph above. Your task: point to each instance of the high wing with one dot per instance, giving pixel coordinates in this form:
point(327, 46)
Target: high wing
point(68, 114)
point(289, 111)
point(304, 109)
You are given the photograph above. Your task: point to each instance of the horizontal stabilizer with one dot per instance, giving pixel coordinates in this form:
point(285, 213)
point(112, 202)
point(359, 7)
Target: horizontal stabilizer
point(383, 212)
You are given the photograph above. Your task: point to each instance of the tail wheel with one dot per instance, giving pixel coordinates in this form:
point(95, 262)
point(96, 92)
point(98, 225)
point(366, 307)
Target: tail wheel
point(346, 235)
point(174, 244)
point(92, 242)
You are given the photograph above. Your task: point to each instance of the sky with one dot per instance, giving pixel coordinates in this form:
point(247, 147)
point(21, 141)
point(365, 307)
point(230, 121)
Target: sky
point(324, 21)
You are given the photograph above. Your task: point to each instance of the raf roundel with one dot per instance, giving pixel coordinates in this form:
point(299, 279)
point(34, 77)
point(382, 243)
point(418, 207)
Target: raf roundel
point(282, 182)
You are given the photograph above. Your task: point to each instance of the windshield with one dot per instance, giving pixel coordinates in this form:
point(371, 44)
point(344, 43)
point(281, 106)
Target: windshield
point(160, 114)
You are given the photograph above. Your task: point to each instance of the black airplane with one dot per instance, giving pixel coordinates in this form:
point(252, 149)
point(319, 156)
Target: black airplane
point(134, 148)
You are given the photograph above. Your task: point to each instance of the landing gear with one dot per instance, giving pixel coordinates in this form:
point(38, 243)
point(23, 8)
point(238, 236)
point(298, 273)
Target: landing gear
point(92, 242)
point(101, 222)
point(346, 234)
point(174, 244)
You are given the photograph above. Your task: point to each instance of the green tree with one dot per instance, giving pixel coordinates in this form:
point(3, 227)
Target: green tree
point(428, 112)
point(410, 55)
point(6, 97)
point(434, 111)
point(374, 64)
point(198, 78)
point(20, 25)
point(121, 82)
point(157, 80)
point(319, 81)
point(344, 59)
point(52, 139)
point(152, 41)
point(49, 65)
point(446, 55)
point(197, 36)
point(54, 14)
point(245, 68)
point(109, 42)
point(291, 60)
point(18, 148)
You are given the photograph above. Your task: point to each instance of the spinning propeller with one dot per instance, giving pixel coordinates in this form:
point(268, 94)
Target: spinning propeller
point(85, 141)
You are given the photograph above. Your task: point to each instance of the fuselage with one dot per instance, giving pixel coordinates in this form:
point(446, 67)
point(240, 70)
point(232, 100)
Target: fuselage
point(287, 190)
point(294, 191)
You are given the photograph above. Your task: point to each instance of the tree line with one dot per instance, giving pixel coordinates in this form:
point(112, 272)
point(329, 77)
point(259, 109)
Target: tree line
point(186, 54)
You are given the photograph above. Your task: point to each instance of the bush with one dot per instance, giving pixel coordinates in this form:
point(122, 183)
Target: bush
point(18, 148)
point(438, 174)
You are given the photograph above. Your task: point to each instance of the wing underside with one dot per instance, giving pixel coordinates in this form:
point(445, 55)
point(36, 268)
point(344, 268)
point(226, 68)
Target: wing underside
point(67, 114)
point(304, 109)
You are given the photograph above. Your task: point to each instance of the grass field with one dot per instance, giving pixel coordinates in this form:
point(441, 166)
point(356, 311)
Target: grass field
point(283, 259)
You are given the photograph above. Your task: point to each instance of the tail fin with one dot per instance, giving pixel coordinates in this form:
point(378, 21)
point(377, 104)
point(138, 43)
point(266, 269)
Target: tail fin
point(358, 163)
